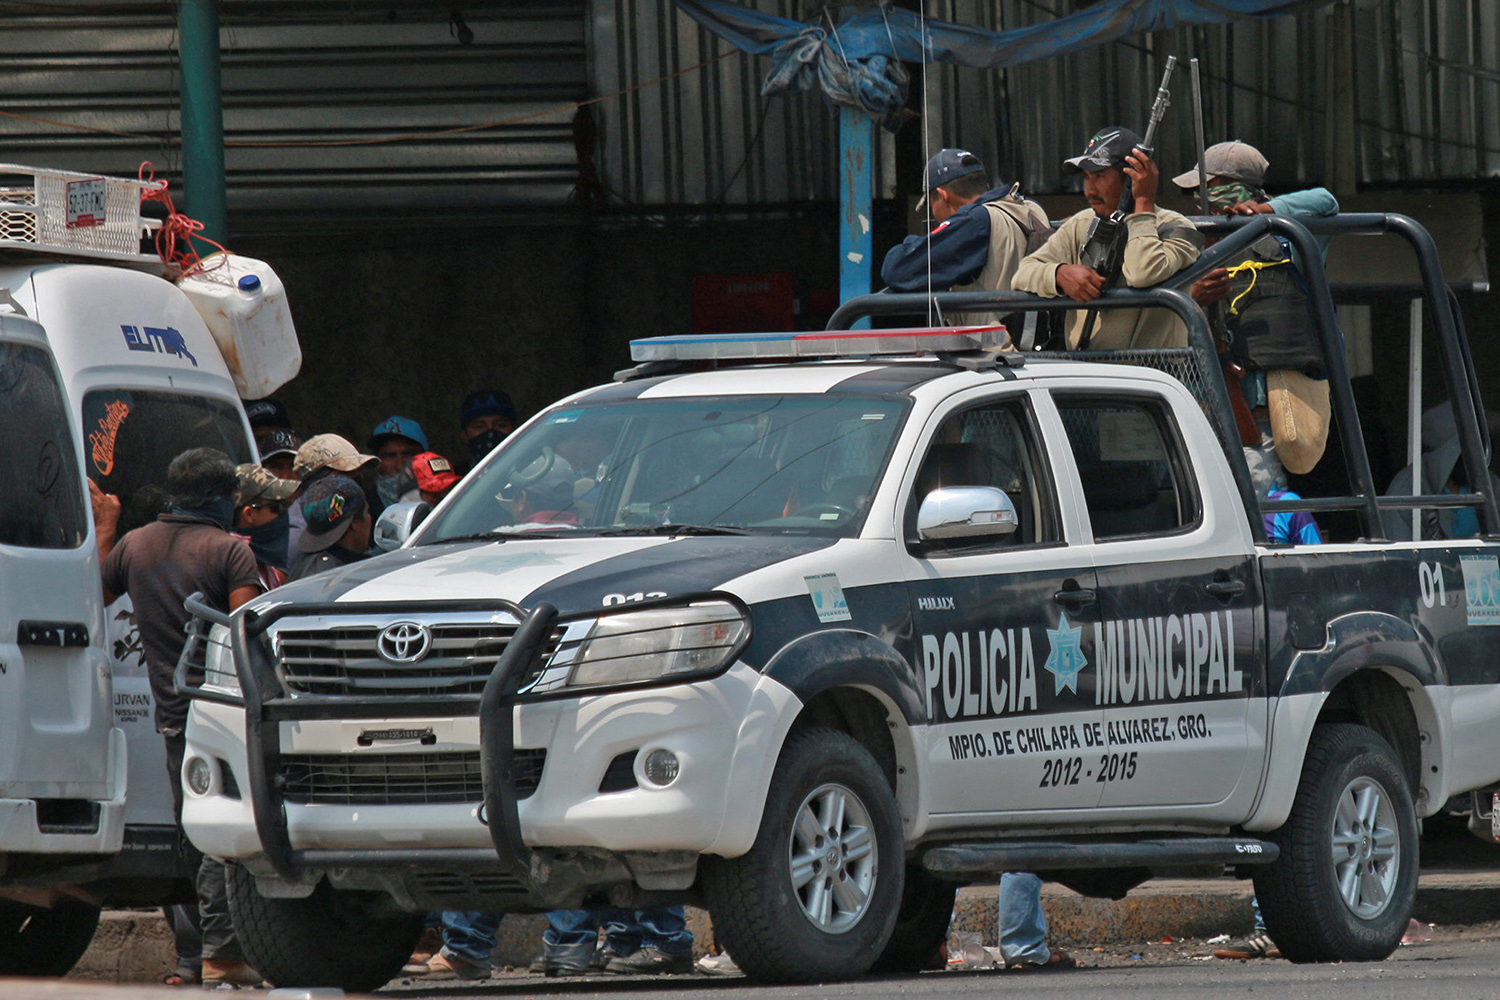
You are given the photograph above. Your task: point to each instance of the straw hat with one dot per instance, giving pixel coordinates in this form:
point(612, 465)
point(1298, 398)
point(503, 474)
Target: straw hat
point(1299, 418)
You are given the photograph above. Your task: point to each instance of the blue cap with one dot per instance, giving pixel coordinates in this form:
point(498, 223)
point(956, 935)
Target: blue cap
point(400, 427)
point(249, 282)
point(486, 403)
point(948, 165)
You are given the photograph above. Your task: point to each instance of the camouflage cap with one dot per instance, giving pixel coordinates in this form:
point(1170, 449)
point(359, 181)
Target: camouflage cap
point(258, 484)
point(331, 452)
point(330, 507)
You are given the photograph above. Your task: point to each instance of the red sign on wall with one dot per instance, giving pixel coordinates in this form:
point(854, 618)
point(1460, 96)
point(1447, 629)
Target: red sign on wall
point(742, 303)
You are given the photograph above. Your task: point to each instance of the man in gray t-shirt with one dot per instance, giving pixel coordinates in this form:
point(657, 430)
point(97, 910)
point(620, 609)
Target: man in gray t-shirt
point(187, 550)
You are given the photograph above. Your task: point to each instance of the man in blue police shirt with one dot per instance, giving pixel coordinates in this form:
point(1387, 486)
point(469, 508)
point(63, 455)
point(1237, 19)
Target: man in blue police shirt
point(981, 235)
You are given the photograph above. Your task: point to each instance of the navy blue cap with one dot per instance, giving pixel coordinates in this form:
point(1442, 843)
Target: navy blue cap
point(949, 165)
point(486, 403)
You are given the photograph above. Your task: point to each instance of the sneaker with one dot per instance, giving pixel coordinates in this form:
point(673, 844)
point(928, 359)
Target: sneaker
point(1057, 960)
point(216, 973)
point(652, 962)
point(442, 966)
point(417, 964)
point(1258, 945)
point(717, 965)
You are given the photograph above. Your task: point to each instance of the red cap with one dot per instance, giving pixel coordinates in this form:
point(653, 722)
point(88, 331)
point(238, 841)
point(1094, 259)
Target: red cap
point(434, 472)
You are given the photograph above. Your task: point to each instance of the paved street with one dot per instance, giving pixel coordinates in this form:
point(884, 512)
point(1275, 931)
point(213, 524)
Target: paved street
point(1458, 963)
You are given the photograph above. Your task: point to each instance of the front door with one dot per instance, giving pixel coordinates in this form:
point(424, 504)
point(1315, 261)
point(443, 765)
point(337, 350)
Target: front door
point(1002, 628)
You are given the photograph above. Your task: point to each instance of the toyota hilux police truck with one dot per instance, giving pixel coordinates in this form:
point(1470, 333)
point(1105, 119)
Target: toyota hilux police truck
point(811, 641)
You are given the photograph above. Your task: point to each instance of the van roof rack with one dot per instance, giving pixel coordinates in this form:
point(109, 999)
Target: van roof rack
point(54, 213)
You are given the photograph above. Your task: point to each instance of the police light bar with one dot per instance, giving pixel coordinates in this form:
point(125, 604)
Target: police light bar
point(822, 344)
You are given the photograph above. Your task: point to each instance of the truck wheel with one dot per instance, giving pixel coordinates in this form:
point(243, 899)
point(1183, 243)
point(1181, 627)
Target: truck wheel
point(816, 897)
point(331, 938)
point(44, 941)
point(1343, 887)
point(921, 924)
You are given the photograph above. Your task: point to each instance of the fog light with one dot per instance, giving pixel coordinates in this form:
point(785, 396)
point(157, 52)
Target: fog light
point(661, 767)
point(199, 775)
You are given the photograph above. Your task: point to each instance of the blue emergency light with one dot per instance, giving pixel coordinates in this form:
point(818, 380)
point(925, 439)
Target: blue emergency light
point(820, 344)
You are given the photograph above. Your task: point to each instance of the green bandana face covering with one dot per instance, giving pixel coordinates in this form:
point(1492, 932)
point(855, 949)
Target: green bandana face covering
point(1222, 196)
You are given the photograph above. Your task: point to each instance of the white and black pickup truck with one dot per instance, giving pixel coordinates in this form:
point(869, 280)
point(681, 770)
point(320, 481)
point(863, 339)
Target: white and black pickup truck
point(814, 642)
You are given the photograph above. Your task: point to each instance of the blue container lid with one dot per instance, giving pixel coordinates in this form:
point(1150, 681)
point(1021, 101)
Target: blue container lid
point(249, 283)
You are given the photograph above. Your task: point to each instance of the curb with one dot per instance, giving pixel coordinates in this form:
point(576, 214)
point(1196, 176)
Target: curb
point(135, 946)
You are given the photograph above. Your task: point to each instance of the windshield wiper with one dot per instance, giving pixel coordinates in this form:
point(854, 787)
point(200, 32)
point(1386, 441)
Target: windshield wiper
point(505, 534)
point(478, 536)
point(678, 529)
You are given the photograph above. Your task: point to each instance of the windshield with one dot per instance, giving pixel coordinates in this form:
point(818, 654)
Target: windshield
point(738, 464)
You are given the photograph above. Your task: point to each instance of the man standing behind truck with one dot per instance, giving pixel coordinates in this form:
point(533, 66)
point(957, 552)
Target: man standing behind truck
point(187, 550)
point(1159, 243)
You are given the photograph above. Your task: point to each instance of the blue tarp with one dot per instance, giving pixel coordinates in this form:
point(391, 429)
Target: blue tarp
point(858, 61)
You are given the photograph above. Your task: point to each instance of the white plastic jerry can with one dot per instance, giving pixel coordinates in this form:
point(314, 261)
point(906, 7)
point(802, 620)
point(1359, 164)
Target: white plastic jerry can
point(244, 306)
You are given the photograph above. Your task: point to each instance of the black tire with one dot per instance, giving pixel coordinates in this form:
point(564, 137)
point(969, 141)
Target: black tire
point(1350, 777)
point(921, 924)
point(331, 938)
point(762, 918)
point(44, 941)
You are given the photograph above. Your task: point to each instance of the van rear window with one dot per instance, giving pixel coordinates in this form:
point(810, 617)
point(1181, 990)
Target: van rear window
point(41, 495)
point(130, 436)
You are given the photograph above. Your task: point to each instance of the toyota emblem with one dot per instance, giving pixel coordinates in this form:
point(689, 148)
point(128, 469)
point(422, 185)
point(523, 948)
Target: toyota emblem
point(404, 642)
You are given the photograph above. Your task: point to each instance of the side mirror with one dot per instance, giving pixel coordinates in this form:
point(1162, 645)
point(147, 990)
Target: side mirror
point(397, 522)
point(965, 512)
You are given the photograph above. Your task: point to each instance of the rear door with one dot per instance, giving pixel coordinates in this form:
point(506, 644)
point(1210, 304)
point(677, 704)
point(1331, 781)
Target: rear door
point(1179, 670)
point(55, 720)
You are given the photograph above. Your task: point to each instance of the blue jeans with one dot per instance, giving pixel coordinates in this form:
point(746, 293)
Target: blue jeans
point(625, 931)
point(1023, 925)
point(469, 935)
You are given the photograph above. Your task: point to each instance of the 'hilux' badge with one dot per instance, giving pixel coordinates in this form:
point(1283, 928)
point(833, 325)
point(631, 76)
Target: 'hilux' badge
point(426, 737)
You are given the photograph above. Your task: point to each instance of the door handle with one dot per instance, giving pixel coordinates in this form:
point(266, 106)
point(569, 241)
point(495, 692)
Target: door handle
point(1075, 597)
point(1225, 589)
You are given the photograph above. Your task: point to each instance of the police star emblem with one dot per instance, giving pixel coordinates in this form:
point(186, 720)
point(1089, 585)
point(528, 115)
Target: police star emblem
point(1066, 657)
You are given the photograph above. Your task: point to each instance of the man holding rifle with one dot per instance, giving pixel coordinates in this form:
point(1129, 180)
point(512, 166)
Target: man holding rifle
point(1158, 244)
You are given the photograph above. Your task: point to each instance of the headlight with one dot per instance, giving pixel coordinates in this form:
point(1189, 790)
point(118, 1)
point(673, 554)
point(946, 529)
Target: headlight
point(662, 642)
point(218, 662)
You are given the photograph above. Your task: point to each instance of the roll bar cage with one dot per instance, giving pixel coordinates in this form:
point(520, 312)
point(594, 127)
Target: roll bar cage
point(1238, 234)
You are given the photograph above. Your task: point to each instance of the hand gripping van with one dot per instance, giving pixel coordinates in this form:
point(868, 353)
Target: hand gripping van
point(107, 371)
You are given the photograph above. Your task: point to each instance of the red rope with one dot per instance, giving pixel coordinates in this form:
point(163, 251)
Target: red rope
point(176, 227)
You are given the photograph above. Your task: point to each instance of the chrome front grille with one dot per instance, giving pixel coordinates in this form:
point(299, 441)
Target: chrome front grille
point(343, 660)
point(389, 779)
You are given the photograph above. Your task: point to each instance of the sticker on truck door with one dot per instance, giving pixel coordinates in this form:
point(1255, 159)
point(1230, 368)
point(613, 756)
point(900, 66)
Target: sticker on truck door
point(1482, 589)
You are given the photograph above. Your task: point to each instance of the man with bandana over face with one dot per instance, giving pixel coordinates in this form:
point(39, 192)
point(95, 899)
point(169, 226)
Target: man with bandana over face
point(188, 549)
point(486, 417)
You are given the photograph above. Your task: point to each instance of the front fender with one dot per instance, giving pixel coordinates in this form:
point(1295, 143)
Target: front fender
point(848, 658)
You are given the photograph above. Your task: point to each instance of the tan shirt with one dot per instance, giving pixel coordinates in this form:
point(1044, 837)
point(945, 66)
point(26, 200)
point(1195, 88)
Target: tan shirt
point(1008, 218)
point(1159, 245)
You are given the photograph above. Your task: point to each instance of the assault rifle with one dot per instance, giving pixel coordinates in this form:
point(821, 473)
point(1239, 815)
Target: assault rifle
point(1105, 249)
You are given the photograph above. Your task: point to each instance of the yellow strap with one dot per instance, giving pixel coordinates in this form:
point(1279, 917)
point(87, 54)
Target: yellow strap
point(1253, 266)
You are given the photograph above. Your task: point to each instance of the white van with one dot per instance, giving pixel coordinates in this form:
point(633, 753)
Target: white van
point(107, 371)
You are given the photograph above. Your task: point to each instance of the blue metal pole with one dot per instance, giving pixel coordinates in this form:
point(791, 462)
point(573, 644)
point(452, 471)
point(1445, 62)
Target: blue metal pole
point(202, 117)
point(856, 203)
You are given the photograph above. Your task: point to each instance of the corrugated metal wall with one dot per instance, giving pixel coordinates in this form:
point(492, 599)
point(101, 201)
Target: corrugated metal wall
point(705, 137)
point(1426, 99)
point(313, 71)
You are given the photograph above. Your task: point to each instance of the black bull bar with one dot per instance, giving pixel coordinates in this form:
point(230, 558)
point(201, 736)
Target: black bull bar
point(266, 706)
